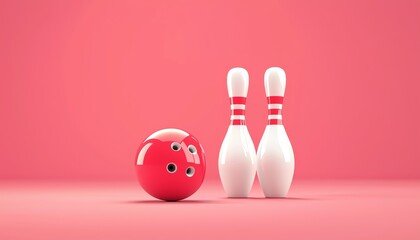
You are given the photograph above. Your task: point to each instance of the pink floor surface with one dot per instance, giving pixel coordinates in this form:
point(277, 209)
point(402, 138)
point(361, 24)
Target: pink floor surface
point(121, 210)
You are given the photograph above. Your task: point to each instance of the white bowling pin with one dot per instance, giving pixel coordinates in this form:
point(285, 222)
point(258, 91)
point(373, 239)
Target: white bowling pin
point(237, 157)
point(275, 159)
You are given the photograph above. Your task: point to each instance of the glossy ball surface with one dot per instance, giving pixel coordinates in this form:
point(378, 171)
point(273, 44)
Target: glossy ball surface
point(170, 164)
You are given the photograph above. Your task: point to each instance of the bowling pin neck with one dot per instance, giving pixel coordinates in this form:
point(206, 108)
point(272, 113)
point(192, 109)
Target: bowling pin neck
point(275, 104)
point(237, 105)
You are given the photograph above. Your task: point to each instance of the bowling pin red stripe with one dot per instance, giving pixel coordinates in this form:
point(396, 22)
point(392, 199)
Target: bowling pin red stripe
point(237, 100)
point(274, 111)
point(275, 122)
point(275, 100)
point(237, 122)
point(275, 104)
point(238, 110)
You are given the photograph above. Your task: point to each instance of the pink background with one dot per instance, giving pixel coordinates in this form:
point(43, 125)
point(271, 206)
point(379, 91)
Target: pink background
point(82, 83)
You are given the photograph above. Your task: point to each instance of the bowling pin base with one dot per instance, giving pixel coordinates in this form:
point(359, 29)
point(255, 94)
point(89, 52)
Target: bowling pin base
point(272, 189)
point(275, 190)
point(237, 190)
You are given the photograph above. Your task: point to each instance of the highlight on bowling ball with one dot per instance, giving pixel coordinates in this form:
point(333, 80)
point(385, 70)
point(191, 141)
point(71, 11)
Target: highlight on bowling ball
point(170, 164)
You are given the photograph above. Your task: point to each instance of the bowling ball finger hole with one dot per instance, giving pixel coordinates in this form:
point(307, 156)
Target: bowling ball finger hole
point(175, 146)
point(192, 149)
point(190, 171)
point(171, 167)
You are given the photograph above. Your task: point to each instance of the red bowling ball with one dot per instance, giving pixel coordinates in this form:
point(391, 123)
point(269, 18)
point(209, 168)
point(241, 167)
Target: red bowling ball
point(170, 164)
